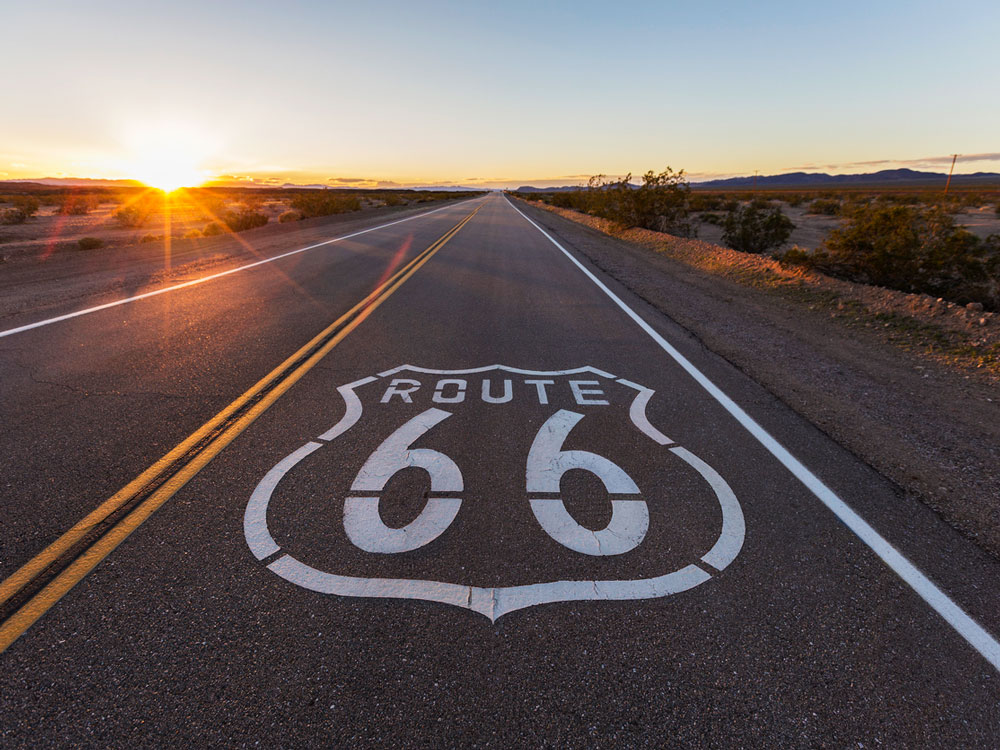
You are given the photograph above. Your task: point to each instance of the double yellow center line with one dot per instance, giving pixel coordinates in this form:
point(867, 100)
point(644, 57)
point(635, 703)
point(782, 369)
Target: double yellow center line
point(41, 582)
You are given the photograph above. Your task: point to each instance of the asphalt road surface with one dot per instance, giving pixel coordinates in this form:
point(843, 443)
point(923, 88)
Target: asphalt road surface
point(442, 484)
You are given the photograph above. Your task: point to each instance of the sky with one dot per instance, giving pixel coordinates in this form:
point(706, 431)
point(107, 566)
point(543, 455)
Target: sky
point(497, 93)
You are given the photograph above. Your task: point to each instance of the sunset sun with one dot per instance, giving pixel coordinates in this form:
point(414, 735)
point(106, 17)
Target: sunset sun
point(167, 171)
point(166, 158)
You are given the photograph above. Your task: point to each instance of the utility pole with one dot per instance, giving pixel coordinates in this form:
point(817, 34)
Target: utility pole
point(954, 158)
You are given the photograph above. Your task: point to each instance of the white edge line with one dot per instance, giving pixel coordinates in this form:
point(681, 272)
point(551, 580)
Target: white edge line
point(940, 602)
point(203, 279)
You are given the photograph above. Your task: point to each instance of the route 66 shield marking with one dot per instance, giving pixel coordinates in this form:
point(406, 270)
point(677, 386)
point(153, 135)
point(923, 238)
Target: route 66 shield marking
point(428, 398)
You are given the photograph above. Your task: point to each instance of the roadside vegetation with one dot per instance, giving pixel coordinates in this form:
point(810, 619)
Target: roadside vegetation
point(22, 208)
point(62, 216)
point(235, 221)
point(756, 227)
point(322, 203)
point(661, 202)
point(907, 240)
point(911, 249)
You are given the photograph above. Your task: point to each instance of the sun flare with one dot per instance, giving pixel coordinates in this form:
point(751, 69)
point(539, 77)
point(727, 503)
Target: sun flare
point(167, 173)
point(166, 158)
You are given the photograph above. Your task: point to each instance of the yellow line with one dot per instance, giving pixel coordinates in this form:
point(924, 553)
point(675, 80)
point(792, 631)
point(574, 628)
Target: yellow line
point(26, 573)
point(39, 604)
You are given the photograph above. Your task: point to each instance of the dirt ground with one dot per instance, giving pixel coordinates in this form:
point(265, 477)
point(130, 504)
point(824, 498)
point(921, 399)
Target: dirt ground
point(56, 277)
point(811, 229)
point(909, 384)
point(49, 231)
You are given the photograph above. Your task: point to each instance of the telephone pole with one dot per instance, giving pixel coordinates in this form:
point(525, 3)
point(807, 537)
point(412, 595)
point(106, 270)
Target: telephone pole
point(954, 158)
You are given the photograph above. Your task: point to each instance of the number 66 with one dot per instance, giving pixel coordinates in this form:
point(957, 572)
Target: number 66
point(546, 464)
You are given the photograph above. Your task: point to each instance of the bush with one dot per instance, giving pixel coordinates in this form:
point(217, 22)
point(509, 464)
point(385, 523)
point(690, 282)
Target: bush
point(252, 202)
point(323, 203)
point(706, 202)
point(90, 243)
point(132, 215)
point(795, 256)
point(540, 197)
point(78, 205)
point(240, 221)
point(150, 238)
point(825, 207)
point(13, 216)
point(902, 199)
point(211, 205)
point(26, 203)
point(912, 249)
point(393, 199)
point(234, 221)
point(756, 228)
point(288, 216)
point(660, 203)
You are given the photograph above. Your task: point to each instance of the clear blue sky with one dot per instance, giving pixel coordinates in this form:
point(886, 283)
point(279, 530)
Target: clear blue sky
point(498, 92)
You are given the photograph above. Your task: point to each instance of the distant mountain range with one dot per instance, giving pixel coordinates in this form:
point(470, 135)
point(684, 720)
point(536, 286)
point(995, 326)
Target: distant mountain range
point(884, 178)
point(78, 182)
point(533, 189)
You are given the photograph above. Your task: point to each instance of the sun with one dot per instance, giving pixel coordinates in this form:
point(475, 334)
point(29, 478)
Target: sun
point(166, 158)
point(167, 166)
point(167, 175)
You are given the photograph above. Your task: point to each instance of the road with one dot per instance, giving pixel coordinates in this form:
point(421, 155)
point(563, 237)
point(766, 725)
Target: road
point(441, 483)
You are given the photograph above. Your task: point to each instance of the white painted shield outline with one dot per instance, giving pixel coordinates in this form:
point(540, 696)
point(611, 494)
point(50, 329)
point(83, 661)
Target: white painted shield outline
point(497, 601)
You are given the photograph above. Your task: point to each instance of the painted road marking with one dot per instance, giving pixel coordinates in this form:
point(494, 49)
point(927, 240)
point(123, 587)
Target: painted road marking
point(211, 277)
point(168, 475)
point(37, 565)
point(362, 522)
point(969, 629)
point(545, 464)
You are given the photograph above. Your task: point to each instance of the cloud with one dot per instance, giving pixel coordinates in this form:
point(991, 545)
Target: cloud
point(245, 180)
point(978, 157)
point(927, 161)
point(387, 184)
point(348, 180)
